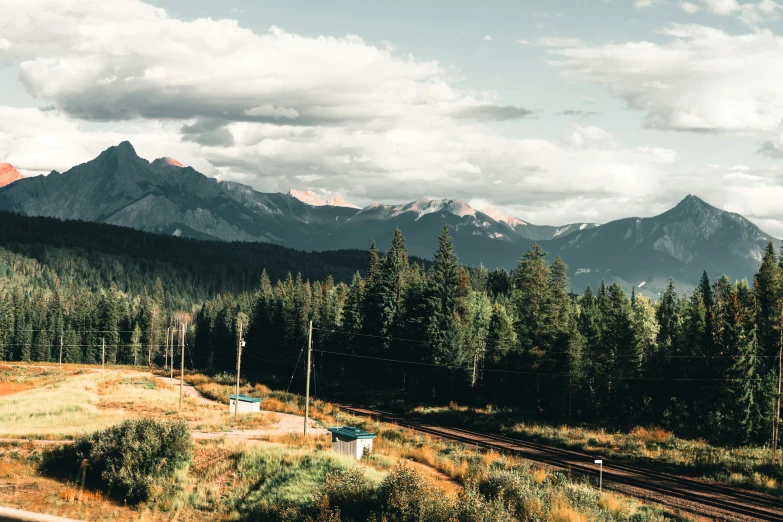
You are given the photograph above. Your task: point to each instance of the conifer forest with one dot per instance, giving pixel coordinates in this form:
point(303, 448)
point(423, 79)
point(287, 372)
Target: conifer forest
point(704, 364)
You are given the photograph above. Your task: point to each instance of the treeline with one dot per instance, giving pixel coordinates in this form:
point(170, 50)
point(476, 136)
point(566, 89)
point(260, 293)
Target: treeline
point(703, 364)
point(88, 285)
point(98, 255)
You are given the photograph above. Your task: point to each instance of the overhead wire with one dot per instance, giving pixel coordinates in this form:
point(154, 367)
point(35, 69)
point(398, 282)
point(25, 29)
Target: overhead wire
point(517, 372)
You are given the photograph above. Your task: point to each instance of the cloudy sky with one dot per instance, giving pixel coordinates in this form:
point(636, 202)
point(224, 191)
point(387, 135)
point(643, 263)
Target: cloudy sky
point(554, 110)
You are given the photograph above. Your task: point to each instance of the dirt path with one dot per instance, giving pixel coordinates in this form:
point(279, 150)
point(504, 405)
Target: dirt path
point(187, 388)
point(285, 422)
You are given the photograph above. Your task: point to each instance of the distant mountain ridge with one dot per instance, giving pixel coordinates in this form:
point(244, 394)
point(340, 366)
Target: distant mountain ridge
point(163, 196)
point(679, 244)
point(166, 197)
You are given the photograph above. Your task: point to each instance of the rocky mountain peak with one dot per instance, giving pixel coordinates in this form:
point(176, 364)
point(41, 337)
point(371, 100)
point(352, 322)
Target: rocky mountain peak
point(8, 174)
point(338, 201)
point(307, 196)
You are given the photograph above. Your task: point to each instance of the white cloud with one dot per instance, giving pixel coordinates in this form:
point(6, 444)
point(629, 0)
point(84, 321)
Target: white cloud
point(646, 4)
point(773, 147)
point(750, 13)
point(488, 38)
point(689, 7)
point(702, 79)
point(218, 71)
point(37, 142)
point(270, 109)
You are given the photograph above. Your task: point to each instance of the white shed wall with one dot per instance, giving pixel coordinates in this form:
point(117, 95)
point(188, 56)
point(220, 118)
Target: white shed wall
point(245, 407)
point(350, 447)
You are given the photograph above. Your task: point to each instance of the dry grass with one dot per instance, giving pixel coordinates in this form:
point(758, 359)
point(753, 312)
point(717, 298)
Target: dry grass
point(226, 477)
point(64, 406)
point(645, 445)
point(539, 475)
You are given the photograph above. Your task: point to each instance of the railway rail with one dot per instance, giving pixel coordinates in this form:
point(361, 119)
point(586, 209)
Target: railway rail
point(701, 498)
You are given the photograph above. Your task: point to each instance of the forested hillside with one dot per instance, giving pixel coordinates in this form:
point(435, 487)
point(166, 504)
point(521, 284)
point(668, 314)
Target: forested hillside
point(703, 364)
point(90, 284)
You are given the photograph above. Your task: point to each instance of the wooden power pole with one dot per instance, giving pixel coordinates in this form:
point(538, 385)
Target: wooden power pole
point(307, 386)
point(776, 424)
point(240, 342)
point(103, 353)
point(171, 366)
point(182, 365)
point(61, 351)
point(166, 351)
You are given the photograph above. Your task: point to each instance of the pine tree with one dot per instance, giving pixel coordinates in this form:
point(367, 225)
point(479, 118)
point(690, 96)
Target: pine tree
point(532, 293)
point(768, 287)
point(742, 340)
point(390, 289)
point(442, 292)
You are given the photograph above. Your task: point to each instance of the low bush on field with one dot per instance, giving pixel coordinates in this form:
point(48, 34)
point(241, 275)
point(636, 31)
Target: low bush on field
point(130, 461)
point(505, 494)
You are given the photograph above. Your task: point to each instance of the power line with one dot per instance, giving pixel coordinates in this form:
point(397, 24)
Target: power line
point(370, 335)
point(517, 372)
point(295, 367)
point(548, 352)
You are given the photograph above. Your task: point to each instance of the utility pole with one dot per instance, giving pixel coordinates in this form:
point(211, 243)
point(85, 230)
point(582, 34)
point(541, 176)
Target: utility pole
point(240, 343)
point(776, 424)
point(171, 367)
point(307, 386)
point(103, 353)
point(61, 351)
point(182, 366)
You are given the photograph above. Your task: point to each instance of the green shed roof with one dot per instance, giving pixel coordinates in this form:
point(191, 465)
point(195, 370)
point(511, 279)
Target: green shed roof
point(245, 398)
point(353, 433)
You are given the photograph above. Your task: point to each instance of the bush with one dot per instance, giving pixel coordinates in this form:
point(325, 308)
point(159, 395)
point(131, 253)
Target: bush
point(407, 497)
point(128, 461)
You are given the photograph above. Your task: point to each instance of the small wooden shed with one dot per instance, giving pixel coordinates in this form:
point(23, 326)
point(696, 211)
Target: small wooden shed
point(246, 404)
point(351, 441)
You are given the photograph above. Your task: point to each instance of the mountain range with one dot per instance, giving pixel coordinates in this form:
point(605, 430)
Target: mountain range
point(166, 197)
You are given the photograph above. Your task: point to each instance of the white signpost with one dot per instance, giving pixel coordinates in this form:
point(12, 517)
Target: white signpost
point(600, 474)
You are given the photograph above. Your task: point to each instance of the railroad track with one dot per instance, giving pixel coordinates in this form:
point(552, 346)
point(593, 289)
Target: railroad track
point(701, 498)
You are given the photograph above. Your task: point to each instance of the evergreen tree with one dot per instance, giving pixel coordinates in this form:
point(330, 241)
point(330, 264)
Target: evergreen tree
point(441, 298)
point(768, 286)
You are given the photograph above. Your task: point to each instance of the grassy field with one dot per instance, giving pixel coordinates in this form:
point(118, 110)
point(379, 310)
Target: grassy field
point(63, 404)
point(747, 467)
point(287, 477)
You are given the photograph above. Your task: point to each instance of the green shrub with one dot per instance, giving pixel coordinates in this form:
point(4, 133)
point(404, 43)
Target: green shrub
point(129, 461)
point(407, 497)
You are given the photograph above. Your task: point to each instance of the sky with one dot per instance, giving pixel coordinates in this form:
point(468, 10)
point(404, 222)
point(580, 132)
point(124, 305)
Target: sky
point(554, 111)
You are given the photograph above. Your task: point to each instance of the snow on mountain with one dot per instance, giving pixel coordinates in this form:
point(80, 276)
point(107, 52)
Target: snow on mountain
point(338, 201)
point(8, 174)
point(562, 230)
point(424, 206)
point(307, 196)
point(497, 215)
